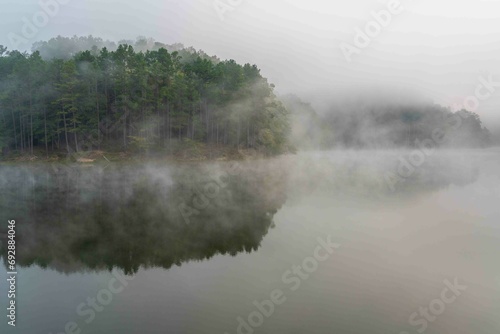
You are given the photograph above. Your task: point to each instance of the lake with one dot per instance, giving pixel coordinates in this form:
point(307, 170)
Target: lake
point(321, 242)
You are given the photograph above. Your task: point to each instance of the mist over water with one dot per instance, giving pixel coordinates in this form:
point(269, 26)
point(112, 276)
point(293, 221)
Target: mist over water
point(248, 224)
point(224, 166)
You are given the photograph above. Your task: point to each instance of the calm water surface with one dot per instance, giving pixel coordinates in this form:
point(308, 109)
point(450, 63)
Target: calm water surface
point(195, 245)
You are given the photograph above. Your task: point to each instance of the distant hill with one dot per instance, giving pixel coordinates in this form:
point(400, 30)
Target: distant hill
point(358, 124)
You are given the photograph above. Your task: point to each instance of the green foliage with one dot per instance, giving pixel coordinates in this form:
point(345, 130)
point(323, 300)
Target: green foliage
point(88, 98)
point(139, 144)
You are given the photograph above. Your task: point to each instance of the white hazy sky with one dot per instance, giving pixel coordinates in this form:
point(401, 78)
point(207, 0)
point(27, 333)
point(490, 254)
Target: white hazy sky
point(437, 48)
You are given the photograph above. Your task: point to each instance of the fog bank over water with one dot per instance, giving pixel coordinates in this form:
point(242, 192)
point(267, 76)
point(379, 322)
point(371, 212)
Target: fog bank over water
point(78, 226)
point(250, 166)
point(196, 212)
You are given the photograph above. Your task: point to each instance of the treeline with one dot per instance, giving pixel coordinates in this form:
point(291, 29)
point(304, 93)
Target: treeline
point(124, 99)
point(378, 124)
point(66, 47)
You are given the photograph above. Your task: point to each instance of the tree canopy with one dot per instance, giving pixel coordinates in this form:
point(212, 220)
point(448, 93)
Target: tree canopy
point(126, 98)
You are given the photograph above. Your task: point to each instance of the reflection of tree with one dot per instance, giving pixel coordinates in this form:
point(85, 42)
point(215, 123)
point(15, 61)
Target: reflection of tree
point(369, 174)
point(438, 172)
point(81, 219)
point(128, 218)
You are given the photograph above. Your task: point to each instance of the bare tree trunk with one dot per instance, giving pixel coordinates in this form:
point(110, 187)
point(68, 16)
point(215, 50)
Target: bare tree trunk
point(106, 93)
point(248, 134)
point(14, 124)
point(45, 125)
point(98, 114)
point(193, 128)
point(31, 116)
point(238, 137)
point(66, 132)
point(125, 132)
point(207, 120)
point(158, 110)
point(22, 132)
point(31, 130)
point(31, 127)
point(75, 134)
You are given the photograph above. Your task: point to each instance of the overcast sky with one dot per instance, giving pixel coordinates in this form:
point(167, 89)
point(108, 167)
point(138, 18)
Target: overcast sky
point(436, 48)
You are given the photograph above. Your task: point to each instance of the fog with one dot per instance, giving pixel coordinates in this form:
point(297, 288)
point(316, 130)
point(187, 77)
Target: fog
point(353, 169)
point(436, 50)
point(80, 226)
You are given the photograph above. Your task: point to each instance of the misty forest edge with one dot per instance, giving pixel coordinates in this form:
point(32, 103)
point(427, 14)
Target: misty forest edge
point(76, 95)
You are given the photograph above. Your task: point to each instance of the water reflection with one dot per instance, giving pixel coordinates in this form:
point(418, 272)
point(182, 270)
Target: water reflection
point(75, 219)
point(377, 175)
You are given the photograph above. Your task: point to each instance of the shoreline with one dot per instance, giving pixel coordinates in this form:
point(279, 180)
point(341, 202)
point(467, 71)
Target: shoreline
point(99, 157)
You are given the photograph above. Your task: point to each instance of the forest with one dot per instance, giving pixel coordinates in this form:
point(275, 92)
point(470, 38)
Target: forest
point(81, 94)
point(122, 99)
